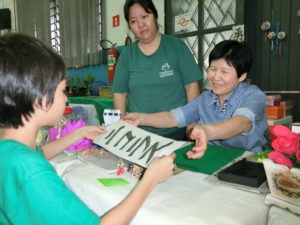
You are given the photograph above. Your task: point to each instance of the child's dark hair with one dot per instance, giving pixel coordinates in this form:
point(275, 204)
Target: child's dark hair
point(147, 5)
point(29, 72)
point(235, 54)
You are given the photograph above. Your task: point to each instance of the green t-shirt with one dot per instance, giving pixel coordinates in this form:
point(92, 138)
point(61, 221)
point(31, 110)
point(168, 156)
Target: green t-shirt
point(156, 82)
point(32, 193)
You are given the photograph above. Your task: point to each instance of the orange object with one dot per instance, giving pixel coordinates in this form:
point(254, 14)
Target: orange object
point(275, 112)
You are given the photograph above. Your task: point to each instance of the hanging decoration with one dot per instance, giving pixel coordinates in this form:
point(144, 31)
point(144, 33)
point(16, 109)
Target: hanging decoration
point(271, 37)
point(265, 26)
point(280, 37)
point(275, 37)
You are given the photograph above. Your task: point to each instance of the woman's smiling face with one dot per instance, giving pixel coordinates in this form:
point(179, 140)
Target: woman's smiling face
point(223, 78)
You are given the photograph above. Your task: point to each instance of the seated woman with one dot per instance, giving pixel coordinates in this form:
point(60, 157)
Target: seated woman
point(231, 114)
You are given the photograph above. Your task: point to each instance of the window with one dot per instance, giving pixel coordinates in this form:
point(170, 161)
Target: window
point(209, 22)
point(100, 23)
point(54, 25)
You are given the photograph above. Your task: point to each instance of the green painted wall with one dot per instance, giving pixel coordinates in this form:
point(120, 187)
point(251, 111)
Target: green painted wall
point(272, 72)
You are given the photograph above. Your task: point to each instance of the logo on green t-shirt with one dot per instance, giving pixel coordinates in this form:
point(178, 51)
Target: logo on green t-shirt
point(166, 71)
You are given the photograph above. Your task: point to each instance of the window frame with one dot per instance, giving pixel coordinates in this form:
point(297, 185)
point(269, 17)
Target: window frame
point(54, 21)
point(239, 19)
point(54, 10)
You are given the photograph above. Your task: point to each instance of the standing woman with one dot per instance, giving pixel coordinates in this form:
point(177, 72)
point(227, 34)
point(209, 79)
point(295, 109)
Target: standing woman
point(157, 72)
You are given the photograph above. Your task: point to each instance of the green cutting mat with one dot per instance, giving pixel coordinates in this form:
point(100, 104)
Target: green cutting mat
point(214, 158)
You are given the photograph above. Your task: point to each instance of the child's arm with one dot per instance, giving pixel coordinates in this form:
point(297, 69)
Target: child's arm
point(55, 147)
point(159, 170)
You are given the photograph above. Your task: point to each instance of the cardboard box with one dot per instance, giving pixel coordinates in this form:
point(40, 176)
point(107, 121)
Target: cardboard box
point(273, 100)
point(288, 111)
point(286, 103)
point(105, 92)
point(295, 128)
point(288, 107)
point(274, 112)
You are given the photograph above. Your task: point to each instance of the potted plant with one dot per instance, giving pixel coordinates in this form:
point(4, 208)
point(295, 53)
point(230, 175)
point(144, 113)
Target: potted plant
point(88, 80)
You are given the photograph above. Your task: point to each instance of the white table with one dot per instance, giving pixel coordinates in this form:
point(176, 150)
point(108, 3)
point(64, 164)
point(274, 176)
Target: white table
point(279, 216)
point(186, 199)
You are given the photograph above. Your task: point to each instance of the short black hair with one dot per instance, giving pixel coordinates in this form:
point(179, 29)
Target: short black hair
point(237, 54)
point(147, 5)
point(29, 71)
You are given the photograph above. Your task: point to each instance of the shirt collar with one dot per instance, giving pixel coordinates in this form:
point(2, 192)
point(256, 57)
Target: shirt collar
point(235, 92)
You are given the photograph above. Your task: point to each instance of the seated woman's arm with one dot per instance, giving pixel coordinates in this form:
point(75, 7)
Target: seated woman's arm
point(227, 129)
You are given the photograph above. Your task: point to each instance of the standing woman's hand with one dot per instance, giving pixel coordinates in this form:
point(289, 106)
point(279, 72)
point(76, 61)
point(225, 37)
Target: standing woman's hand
point(133, 118)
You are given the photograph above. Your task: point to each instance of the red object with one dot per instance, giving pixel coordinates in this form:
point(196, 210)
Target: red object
point(116, 20)
point(112, 57)
point(279, 158)
point(68, 110)
point(120, 171)
point(285, 145)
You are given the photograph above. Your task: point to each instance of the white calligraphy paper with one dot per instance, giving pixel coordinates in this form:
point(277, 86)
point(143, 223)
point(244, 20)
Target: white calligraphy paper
point(135, 144)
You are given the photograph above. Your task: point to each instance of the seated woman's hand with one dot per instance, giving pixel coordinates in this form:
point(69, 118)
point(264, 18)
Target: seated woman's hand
point(132, 118)
point(198, 134)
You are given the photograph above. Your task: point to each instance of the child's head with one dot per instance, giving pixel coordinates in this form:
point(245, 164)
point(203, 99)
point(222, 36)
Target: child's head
point(29, 75)
point(236, 54)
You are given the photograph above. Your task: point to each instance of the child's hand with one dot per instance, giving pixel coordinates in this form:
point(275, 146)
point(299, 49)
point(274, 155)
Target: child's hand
point(91, 132)
point(161, 168)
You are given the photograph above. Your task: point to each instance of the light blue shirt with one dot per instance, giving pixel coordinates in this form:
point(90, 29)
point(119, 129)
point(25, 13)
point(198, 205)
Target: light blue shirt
point(246, 100)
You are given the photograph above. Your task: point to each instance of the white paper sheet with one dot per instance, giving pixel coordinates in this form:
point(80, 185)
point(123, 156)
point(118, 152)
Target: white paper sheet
point(135, 144)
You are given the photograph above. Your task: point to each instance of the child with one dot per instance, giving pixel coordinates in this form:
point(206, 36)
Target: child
point(231, 114)
point(32, 84)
